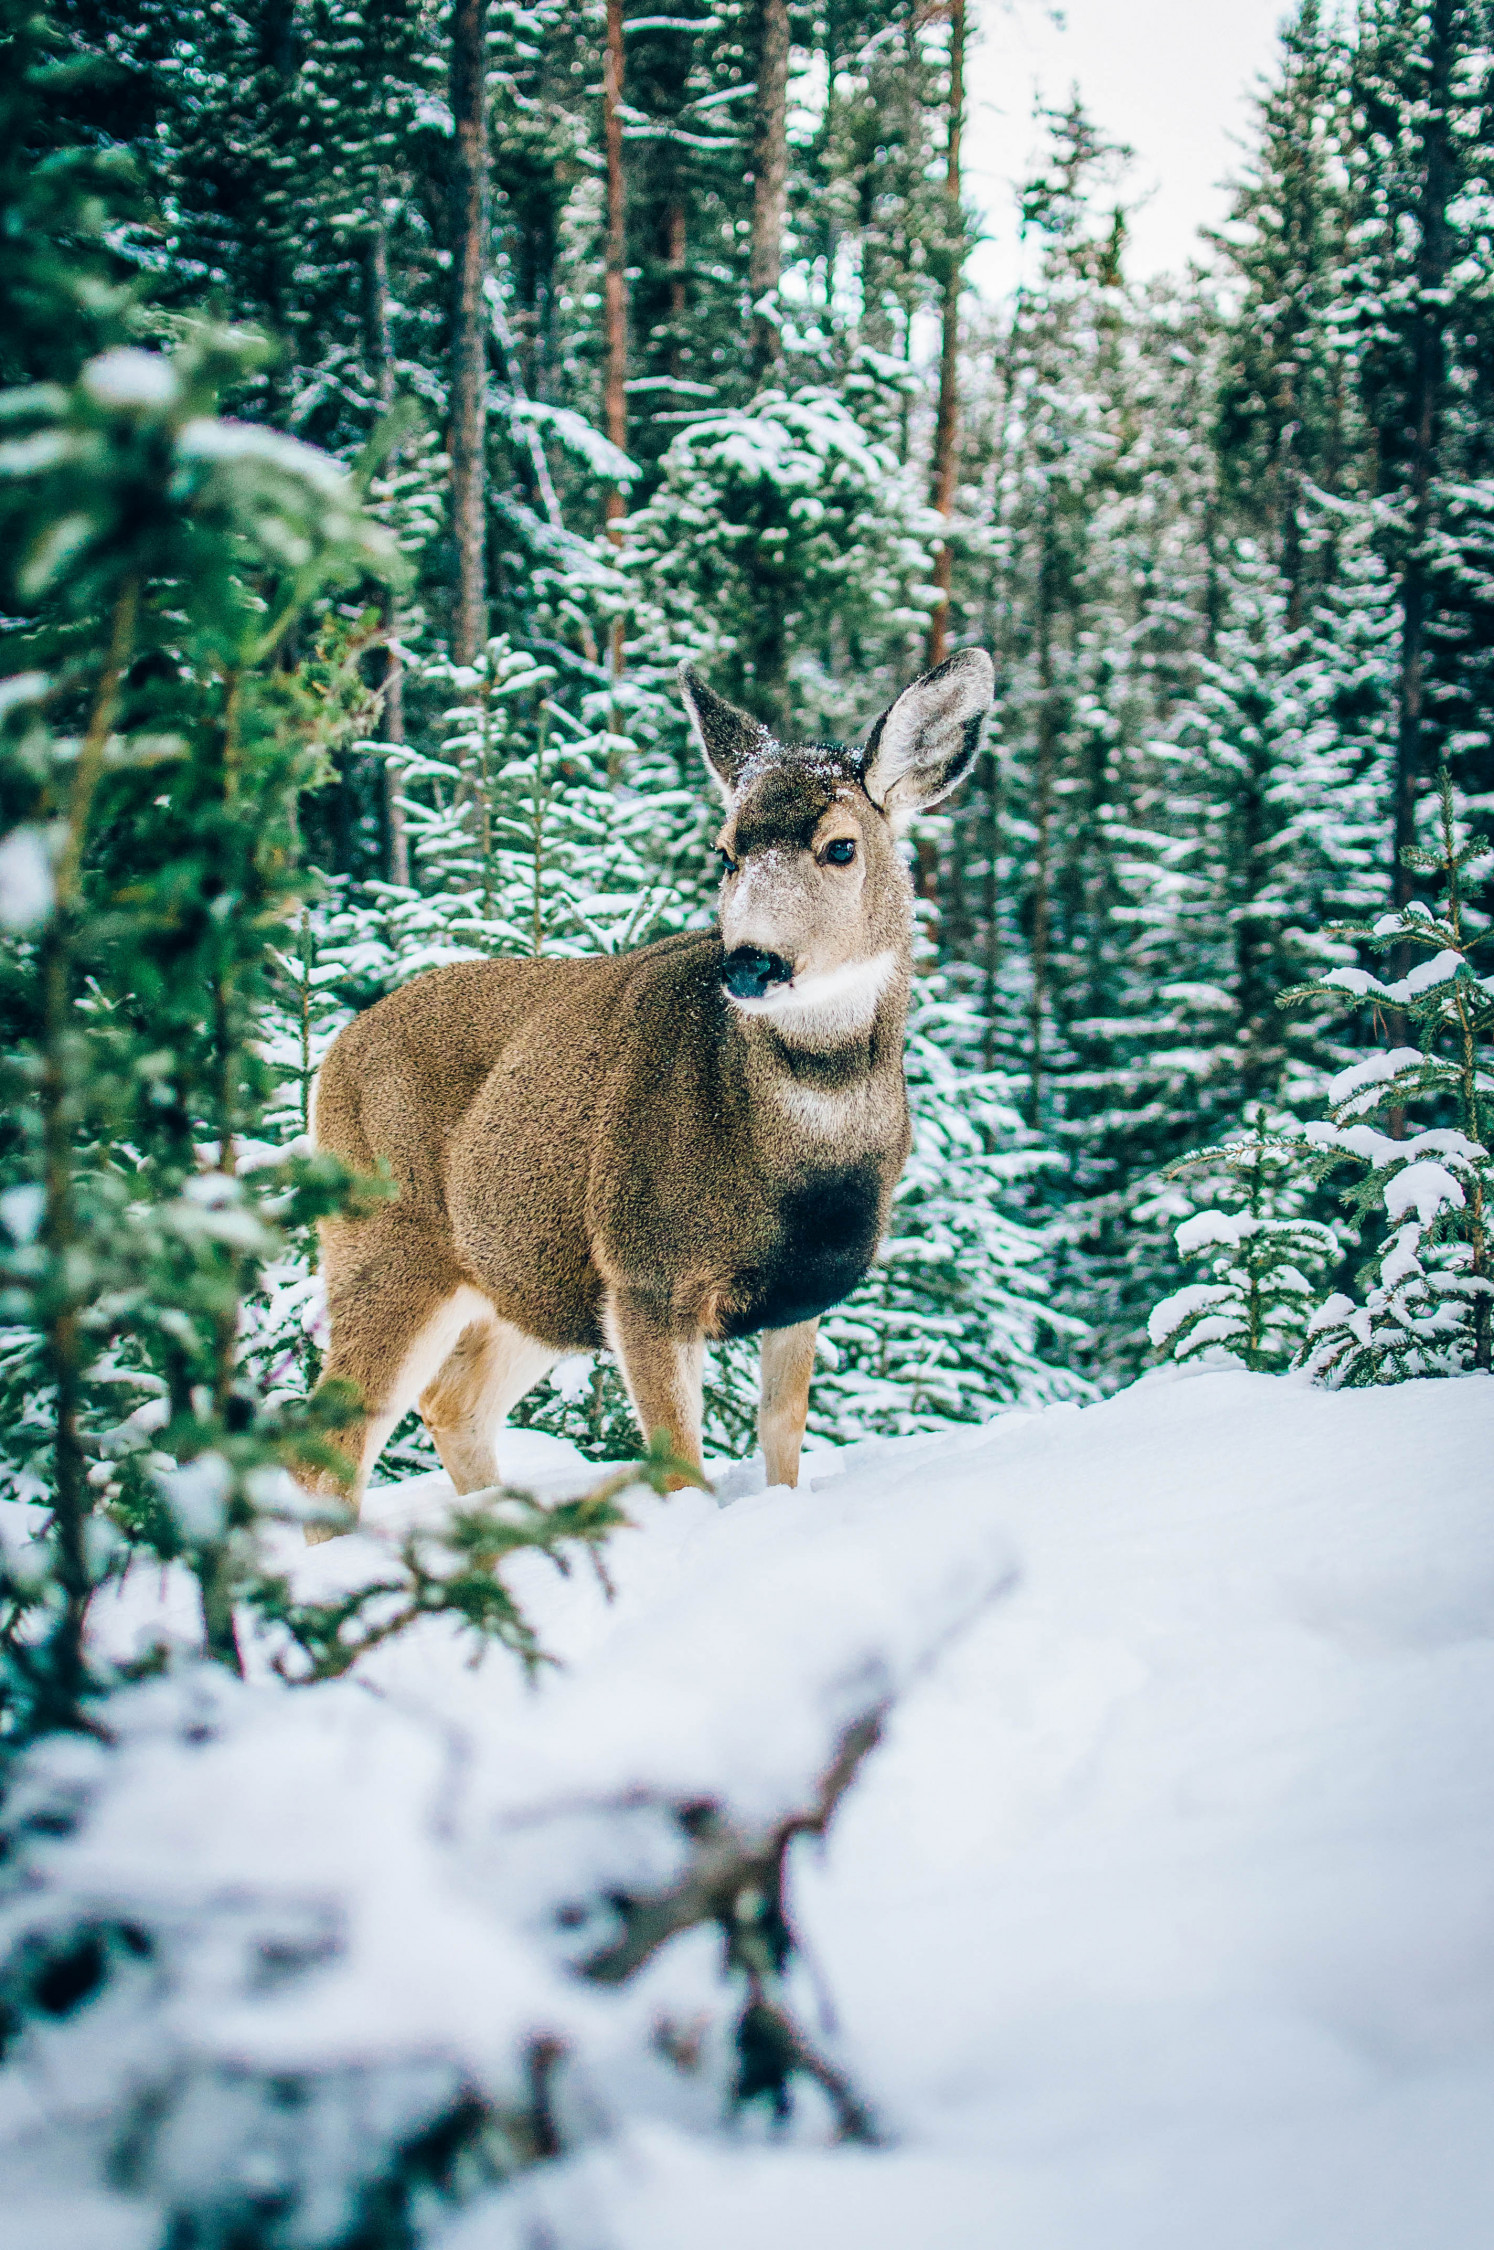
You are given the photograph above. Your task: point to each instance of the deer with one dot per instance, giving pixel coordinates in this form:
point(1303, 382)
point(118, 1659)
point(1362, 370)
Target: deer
point(647, 1150)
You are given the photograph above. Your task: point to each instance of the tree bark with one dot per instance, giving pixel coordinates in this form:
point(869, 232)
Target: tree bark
point(468, 326)
point(615, 391)
point(990, 774)
point(947, 428)
point(676, 255)
point(1046, 777)
point(1422, 408)
point(392, 719)
point(1037, 1010)
point(1429, 368)
point(615, 388)
point(769, 182)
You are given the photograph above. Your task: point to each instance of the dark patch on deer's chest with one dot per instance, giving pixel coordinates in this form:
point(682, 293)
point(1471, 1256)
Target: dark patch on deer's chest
point(826, 1239)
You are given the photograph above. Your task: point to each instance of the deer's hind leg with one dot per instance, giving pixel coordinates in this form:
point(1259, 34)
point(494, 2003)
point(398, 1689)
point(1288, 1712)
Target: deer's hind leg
point(396, 1313)
point(488, 1371)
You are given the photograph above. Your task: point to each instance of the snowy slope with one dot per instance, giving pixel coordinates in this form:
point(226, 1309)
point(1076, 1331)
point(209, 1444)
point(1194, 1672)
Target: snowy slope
point(1162, 1916)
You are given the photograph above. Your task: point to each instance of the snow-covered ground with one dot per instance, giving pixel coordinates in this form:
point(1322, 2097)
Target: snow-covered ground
point(1161, 1918)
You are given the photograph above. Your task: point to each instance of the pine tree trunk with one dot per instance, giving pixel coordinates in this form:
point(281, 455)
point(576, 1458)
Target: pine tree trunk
point(1042, 858)
point(615, 387)
point(615, 393)
point(676, 254)
point(392, 720)
point(990, 900)
point(66, 1345)
point(469, 199)
point(1254, 996)
point(769, 181)
point(1420, 409)
point(947, 428)
point(1423, 418)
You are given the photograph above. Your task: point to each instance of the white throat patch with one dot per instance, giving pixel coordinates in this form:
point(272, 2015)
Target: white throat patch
point(818, 1010)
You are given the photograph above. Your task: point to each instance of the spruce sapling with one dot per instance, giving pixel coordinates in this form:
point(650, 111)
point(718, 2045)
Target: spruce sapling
point(1267, 1255)
point(1427, 1308)
point(160, 558)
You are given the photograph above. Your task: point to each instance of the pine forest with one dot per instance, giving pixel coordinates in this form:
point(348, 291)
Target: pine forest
point(397, 399)
point(502, 359)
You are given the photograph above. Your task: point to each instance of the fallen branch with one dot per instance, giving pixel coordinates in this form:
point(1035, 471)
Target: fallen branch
point(735, 1879)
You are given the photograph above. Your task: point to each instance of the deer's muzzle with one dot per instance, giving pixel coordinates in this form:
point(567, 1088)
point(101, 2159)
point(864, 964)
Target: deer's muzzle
point(747, 971)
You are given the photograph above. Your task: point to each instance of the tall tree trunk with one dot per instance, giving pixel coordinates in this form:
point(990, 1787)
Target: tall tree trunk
point(947, 428)
point(1421, 407)
point(769, 181)
point(615, 388)
point(469, 111)
point(615, 391)
point(1255, 987)
point(990, 899)
point(392, 720)
point(676, 254)
point(1423, 417)
point(1042, 858)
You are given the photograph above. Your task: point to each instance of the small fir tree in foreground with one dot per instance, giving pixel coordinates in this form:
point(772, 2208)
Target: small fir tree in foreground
point(1267, 1256)
point(1429, 1293)
point(155, 746)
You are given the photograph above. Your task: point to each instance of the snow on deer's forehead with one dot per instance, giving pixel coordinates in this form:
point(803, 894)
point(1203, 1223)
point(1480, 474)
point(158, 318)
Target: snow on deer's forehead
point(783, 801)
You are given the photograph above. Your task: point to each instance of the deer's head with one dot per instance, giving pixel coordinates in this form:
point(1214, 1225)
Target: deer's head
point(816, 904)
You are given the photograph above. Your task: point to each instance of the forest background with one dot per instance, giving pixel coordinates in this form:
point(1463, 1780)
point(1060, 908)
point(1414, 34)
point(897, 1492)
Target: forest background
point(392, 395)
point(645, 336)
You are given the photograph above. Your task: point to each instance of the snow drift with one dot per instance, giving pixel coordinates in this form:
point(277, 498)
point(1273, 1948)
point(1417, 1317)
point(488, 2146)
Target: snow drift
point(1153, 1749)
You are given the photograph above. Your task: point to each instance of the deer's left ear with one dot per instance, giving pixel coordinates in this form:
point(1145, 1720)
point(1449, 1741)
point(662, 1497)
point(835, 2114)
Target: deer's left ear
point(925, 742)
point(727, 738)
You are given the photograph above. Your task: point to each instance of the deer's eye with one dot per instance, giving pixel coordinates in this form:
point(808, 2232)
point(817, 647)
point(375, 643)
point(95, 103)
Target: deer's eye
point(728, 864)
point(841, 852)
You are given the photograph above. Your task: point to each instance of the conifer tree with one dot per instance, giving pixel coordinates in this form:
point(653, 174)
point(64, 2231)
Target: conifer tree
point(1429, 1307)
point(1288, 421)
point(160, 557)
point(951, 260)
point(1414, 311)
point(1268, 1256)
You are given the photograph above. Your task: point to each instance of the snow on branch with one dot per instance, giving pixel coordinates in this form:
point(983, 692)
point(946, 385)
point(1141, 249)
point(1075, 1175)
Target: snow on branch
point(576, 434)
point(1426, 1188)
point(1440, 969)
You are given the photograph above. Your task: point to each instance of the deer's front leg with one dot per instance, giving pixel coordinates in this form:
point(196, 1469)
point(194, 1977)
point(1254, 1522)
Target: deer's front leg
point(787, 1366)
point(662, 1372)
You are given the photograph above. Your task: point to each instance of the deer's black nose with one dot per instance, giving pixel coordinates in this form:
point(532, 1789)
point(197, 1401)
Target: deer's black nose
point(747, 971)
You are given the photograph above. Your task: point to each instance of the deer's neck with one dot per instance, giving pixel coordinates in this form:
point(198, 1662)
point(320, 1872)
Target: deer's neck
point(830, 1071)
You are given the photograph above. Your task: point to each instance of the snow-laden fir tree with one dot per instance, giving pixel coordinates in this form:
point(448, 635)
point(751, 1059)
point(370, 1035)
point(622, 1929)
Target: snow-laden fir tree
point(1425, 1188)
point(526, 835)
point(785, 546)
point(1267, 1256)
point(158, 559)
point(1286, 420)
point(1283, 783)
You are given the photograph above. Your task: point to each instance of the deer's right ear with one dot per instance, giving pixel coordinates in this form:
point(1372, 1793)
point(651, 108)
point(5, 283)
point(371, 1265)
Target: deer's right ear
point(925, 742)
point(727, 737)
